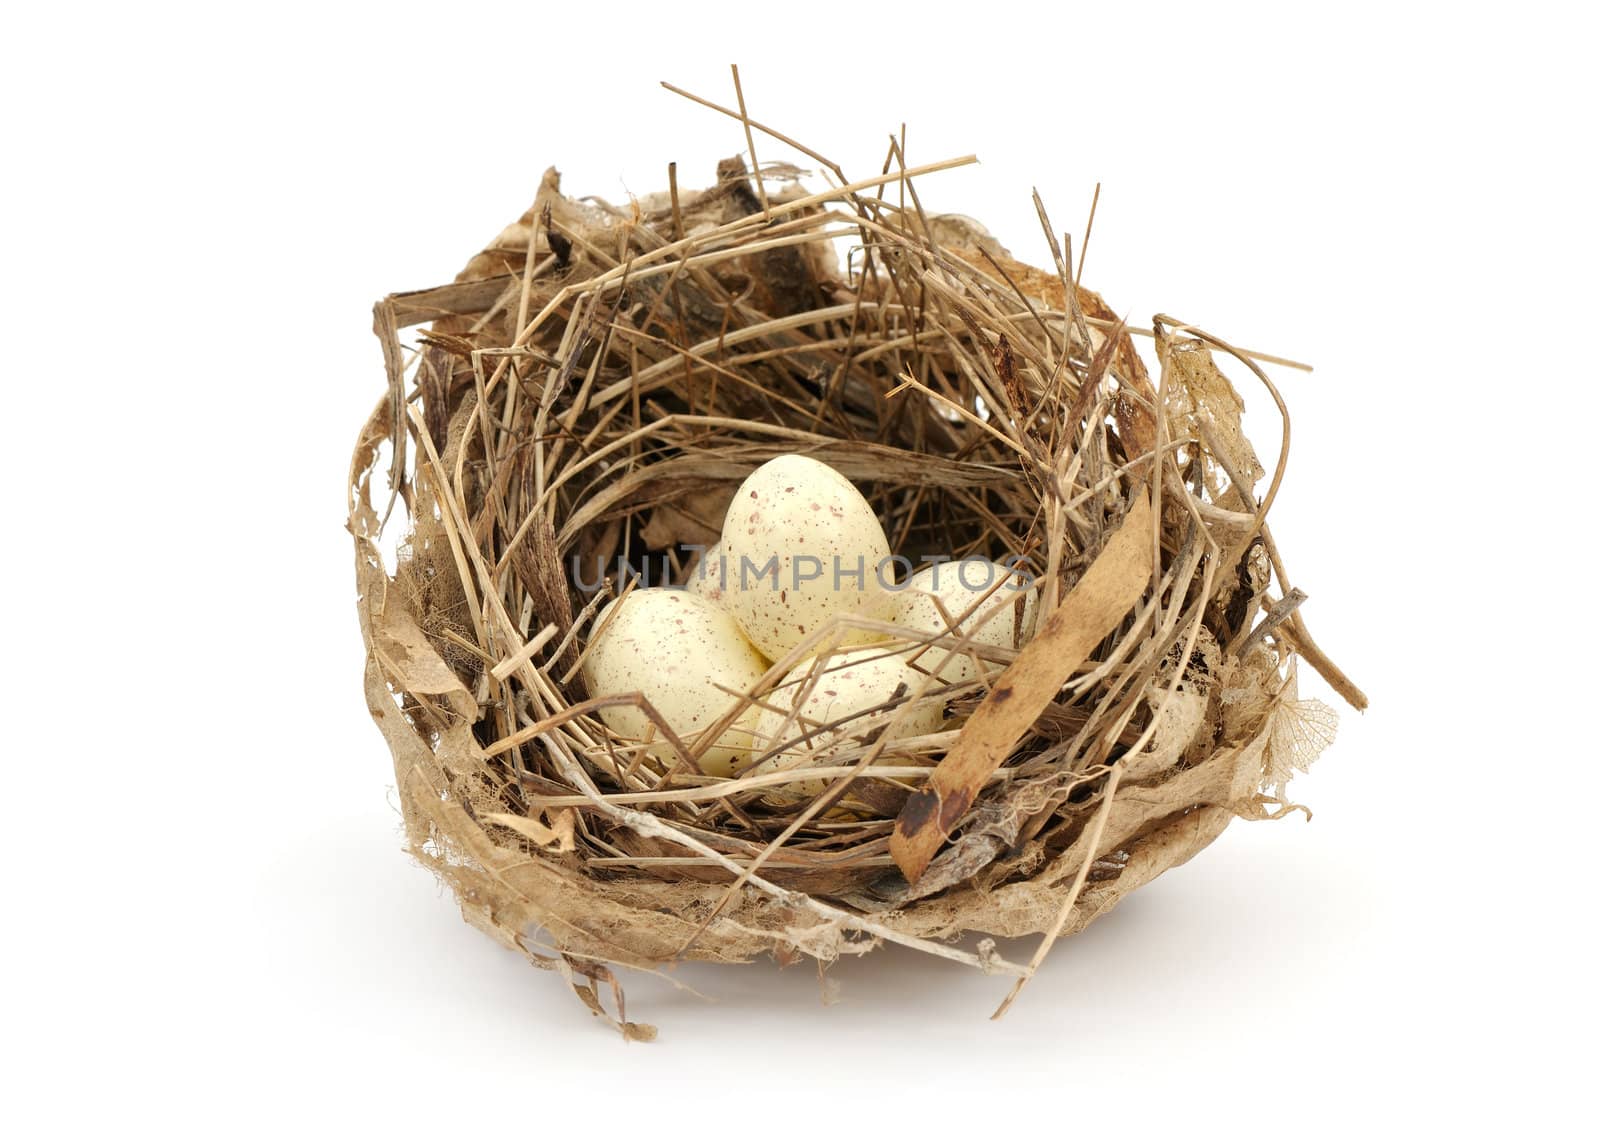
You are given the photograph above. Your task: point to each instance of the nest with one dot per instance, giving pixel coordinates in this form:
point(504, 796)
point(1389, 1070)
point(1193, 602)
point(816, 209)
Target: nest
point(592, 388)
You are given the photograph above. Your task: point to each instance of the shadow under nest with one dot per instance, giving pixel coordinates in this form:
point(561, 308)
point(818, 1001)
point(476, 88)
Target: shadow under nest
point(591, 390)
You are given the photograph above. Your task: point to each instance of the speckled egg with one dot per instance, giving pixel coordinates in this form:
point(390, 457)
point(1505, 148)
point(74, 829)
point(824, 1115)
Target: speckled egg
point(851, 683)
point(800, 544)
point(705, 579)
point(979, 596)
point(683, 653)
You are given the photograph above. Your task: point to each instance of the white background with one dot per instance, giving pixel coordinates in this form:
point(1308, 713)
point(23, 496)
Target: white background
point(210, 922)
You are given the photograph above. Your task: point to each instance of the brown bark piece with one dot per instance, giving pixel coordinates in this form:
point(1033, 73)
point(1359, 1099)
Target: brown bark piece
point(1094, 607)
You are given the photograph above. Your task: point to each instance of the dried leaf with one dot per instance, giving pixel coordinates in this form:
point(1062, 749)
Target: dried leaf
point(1298, 731)
point(1179, 713)
point(558, 834)
point(694, 519)
point(1205, 405)
point(1134, 406)
point(415, 666)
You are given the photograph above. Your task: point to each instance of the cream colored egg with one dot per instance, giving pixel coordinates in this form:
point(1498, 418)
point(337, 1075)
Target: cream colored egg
point(834, 713)
point(705, 579)
point(687, 656)
point(800, 544)
point(736, 749)
point(973, 597)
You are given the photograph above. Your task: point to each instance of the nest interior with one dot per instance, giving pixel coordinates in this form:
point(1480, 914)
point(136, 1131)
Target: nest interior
point(592, 388)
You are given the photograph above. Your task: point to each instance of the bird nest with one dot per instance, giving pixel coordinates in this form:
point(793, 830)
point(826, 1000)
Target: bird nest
point(591, 390)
